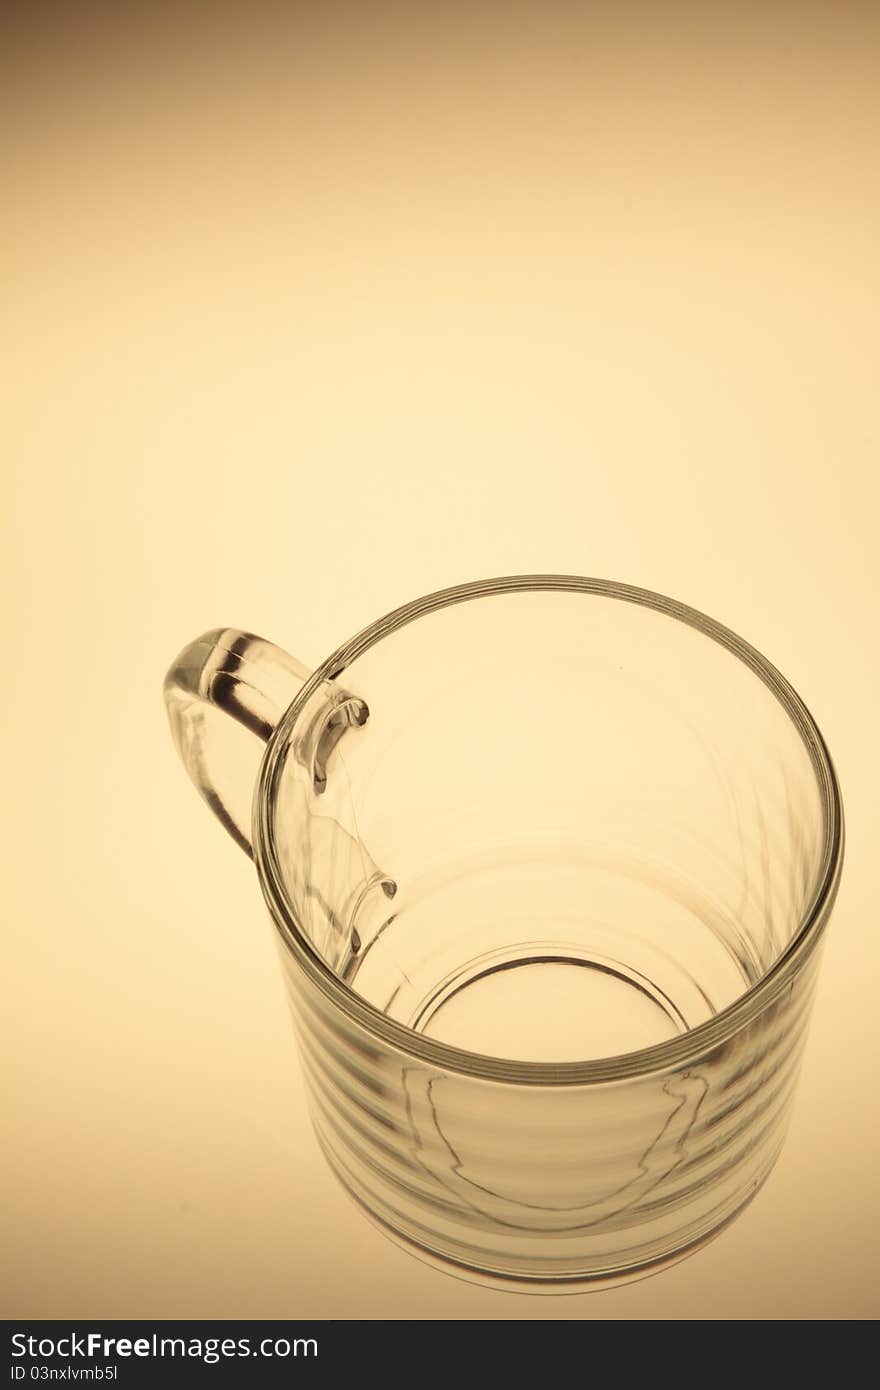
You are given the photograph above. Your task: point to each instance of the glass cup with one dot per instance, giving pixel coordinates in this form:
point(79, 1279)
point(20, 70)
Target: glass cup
point(549, 861)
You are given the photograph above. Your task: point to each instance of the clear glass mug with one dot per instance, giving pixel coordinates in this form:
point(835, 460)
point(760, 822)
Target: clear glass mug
point(550, 861)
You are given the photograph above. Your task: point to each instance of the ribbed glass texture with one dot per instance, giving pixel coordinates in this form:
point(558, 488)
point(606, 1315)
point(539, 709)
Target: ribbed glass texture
point(556, 1186)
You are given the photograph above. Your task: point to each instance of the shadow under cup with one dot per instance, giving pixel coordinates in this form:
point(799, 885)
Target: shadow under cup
point(549, 860)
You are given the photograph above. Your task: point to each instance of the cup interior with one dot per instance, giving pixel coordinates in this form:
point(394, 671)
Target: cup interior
point(568, 823)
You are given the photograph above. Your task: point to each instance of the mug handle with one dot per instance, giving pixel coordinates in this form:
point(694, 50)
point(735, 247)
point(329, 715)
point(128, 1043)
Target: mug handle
point(223, 673)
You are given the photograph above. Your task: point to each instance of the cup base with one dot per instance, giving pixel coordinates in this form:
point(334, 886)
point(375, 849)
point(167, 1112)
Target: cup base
point(558, 1286)
point(539, 1003)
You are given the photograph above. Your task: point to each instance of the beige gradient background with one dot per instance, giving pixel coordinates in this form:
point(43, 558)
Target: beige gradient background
point(308, 312)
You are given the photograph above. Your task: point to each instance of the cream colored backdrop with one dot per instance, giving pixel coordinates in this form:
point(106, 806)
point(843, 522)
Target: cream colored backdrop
point(310, 312)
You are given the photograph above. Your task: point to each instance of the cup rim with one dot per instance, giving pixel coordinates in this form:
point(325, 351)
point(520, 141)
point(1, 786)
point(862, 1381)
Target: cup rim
point(672, 1053)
